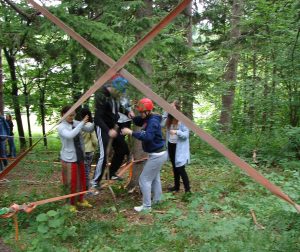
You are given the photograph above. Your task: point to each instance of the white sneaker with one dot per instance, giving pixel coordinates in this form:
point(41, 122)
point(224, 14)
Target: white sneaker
point(142, 209)
point(116, 178)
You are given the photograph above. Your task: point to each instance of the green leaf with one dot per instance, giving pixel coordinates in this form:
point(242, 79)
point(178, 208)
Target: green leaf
point(42, 217)
point(55, 223)
point(43, 229)
point(51, 213)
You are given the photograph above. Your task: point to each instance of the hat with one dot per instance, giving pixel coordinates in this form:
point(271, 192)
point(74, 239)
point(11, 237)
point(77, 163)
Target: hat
point(119, 83)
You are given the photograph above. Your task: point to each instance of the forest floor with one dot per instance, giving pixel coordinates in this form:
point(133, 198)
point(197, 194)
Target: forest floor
point(219, 191)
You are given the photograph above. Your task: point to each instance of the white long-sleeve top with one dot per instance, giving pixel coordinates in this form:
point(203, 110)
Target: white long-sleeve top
point(182, 155)
point(67, 135)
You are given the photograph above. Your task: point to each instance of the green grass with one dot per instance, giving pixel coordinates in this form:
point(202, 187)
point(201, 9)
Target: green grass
point(216, 217)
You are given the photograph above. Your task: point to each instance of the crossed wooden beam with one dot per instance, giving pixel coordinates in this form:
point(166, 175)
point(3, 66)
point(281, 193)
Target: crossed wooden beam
point(118, 67)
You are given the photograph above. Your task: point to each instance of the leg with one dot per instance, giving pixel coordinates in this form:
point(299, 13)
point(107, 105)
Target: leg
point(66, 177)
point(145, 182)
point(149, 175)
point(103, 141)
point(156, 184)
point(185, 178)
point(74, 182)
point(120, 151)
point(9, 152)
point(88, 159)
point(172, 152)
point(12, 147)
point(82, 180)
point(3, 153)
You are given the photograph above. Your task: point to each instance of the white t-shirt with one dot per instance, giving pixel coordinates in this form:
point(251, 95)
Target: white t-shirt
point(173, 138)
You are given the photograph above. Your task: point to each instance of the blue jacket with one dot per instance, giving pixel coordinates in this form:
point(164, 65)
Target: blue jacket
point(4, 129)
point(150, 134)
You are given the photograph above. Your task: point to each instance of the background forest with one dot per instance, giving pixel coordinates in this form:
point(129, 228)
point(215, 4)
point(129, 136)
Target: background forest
point(234, 64)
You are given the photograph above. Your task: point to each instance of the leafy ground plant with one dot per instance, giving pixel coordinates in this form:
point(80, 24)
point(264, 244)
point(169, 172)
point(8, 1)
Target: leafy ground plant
point(215, 217)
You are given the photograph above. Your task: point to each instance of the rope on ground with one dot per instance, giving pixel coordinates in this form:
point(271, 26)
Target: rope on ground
point(12, 211)
point(28, 208)
point(38, 137)
point(30, 182)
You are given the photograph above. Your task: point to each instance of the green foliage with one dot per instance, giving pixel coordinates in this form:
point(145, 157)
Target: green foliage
point(215, 217)
point(52, 228)
point(53, 70)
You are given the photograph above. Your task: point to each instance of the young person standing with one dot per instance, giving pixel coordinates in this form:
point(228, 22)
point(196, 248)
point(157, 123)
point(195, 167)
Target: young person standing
point(107, 108)
point(154, 145)
point(72, 156)
point(178, 149)
point(11, 142)
point(4, 133)
point(90, 145)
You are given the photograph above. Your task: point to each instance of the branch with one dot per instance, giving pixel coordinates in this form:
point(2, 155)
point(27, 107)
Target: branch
point(18, 10)
point(259, 226)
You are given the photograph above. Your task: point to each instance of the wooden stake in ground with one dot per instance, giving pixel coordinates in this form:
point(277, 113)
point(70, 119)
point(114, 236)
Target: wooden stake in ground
point(259, 226)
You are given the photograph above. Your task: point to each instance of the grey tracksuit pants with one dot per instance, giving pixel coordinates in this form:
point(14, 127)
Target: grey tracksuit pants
point(150, 177)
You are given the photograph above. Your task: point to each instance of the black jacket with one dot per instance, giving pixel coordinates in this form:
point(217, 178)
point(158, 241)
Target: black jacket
point(106, 109)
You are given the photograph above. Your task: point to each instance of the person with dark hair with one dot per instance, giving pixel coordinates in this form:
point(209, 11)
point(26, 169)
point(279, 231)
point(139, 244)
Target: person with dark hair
point(72, 156)
point(11, 142)
point(108, 105)
point(177, 137)
point(90, 145)
point(4, 133)
point(154, 144)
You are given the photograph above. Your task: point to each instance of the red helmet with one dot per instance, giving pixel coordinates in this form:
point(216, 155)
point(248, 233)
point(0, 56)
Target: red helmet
point(145, 104)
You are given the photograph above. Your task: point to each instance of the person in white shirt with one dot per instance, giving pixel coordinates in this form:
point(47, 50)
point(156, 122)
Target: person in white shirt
point(177, 137)
point(72, 156)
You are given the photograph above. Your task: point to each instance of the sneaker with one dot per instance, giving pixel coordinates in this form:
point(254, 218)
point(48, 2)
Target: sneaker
point(142, 209)
point(84, 203)
point(73, 209)
point(173, 189)
point(94, 191)
point(116, 178)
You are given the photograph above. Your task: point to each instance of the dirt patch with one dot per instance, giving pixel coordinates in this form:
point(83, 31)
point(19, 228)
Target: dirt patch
point(4, 248)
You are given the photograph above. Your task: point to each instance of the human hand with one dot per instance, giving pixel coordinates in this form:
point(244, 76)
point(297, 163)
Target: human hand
point(173, 132)
point(126, 131)
point(86, 119)
point(173, 104)
point(112, 133)
point(131, 114)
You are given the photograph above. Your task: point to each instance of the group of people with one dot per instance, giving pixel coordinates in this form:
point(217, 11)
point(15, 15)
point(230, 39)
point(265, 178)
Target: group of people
point(6, 136)
point(113, 116)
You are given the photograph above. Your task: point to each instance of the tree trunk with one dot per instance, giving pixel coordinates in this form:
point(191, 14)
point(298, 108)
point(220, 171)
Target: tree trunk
point(1, 84)
point(266, 93)
point(28, 117)
point(294, 103)
point(137, 149)
point(188, 104)
point(43, 111)
point(251, 95)
point(75, 77)
point(14, 91)
point(230, 74)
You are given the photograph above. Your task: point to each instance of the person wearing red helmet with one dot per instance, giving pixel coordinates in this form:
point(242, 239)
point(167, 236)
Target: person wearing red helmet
point(154, 144)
